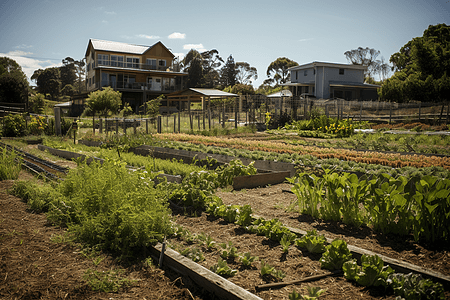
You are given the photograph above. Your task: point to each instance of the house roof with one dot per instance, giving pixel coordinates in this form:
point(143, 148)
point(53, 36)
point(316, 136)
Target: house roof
point(326, 64)
point(121, 47)
point(200, 92)
point(283, 93)
point(353, 84)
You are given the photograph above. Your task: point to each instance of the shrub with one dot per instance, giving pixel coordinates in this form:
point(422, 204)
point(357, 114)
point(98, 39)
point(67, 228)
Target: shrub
point(14, 125)
point(10, 166)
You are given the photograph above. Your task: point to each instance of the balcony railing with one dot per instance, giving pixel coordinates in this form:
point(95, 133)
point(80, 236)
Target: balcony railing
point(139, 86)
point(139, 66)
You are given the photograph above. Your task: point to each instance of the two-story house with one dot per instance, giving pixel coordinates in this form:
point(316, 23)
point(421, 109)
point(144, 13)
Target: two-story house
point(139, 72)
point(325, 80)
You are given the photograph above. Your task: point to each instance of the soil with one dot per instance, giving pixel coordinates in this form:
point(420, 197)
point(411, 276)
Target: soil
point(34, 266)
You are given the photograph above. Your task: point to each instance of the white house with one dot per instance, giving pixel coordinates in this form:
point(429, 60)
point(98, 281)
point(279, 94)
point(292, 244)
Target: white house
point(331, 80)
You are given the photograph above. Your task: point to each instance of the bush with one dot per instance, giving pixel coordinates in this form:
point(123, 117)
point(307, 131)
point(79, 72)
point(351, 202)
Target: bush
point(10, 166)
point(14, 125)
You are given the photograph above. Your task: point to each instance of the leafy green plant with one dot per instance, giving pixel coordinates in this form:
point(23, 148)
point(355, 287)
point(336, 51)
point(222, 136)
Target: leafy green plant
point(247, 259)
point(268, 272)
point(207, 240)
point(194, 254)
point(313, 293)
point(272, 229)
point(10, 164)
point(109, 281)
point(14, 125)
point(222, 269)
point(233, 169)
point(286, 241)
point(371, 273)
point(335, 255)
point(244, 217)
point(229, 251)
point(313, 242)
point(413, 286)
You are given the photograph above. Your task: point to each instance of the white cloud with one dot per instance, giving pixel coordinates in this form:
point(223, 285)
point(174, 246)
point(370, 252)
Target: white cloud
point(198, 47)
point(24, 46)
point(110, 13)
point(177, 35)
point(30, 64)
point(150, 37)
point(305, 40)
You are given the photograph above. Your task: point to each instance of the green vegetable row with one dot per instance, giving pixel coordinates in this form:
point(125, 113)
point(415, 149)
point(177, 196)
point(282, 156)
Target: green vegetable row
point(420, 205)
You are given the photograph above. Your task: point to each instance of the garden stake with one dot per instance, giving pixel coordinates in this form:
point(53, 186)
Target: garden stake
point(310, 278)
point(161, 256)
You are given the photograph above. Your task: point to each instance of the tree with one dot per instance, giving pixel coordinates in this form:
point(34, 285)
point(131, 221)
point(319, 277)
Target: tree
point(36, 103)
point(240, 89)
point(245, 73)
point(48, 82)
point(193, 65)
point(422, 68)
point(104, 101)
point(278, 69)
point(202, 68)
point(80, 74)
point(13, 82)
point(228, 73)
point(67, 72)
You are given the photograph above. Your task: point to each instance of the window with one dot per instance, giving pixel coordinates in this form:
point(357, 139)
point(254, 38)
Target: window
point(341, 71)
point(151, 63)
point(306, 89)
point(117, 61)
point(103, 60)
point(162, 62)
point(305, 73)
point(314, 71)
point(133, 62)
point(296, 75)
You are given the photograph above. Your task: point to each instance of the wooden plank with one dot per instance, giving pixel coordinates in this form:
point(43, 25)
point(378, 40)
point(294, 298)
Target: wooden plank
point(252, 181)
point(305, 279)
point(208, 280)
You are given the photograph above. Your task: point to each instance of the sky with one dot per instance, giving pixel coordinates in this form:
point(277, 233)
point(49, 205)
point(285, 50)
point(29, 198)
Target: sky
point(39, 34)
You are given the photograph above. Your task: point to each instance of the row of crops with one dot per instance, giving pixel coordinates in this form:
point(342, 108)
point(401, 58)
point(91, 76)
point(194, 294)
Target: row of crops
point(124, 211)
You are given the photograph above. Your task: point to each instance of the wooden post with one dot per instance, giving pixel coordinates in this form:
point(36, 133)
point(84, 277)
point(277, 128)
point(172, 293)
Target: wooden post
point(390, 113)
point(360, 112)
point(179, 121)
point(146, 126)
point(124, 126)
point(223, 115)
point(448, 108)
point(209, 118)
point(235, 114)
point(93, 123)
point(117, 126)
point(420, 109)
point(440, 116)
point(100, 126)
point(134, 126)
point(159, 124)
point(174, 123)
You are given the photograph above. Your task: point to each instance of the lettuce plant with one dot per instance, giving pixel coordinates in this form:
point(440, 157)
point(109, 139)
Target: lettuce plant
point(372, 271)
point(335, 255)
point(312, 242)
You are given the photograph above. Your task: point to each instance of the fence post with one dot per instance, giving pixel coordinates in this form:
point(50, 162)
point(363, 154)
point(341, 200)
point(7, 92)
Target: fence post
point(117, 126)
point(124, 127)
point(203, 116)
point(390, 113)
point(209, 117)
point(179, 121)
point(134, 126)
point(223, 115)
point(360, 112)
point(100, 125)
point(158, 124)
point(448, 108)
point(191, 125)
point(146, 126)
point(442, 111)
point(174, 123)
point(420, 109)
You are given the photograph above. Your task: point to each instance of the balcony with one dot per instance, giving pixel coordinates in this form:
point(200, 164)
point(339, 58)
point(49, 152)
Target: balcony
point(139, 86)
point(175, 67)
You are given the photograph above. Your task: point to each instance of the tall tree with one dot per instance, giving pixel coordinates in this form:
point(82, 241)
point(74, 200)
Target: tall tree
point(245, 73)
point(48, 82)
point(278, 69)
point(13, 82)
point(365, 57)
point(422, 68)
point(228, 72)
point(80, 74)
point(211, 61)
point(192, 63)
point(67, 72)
